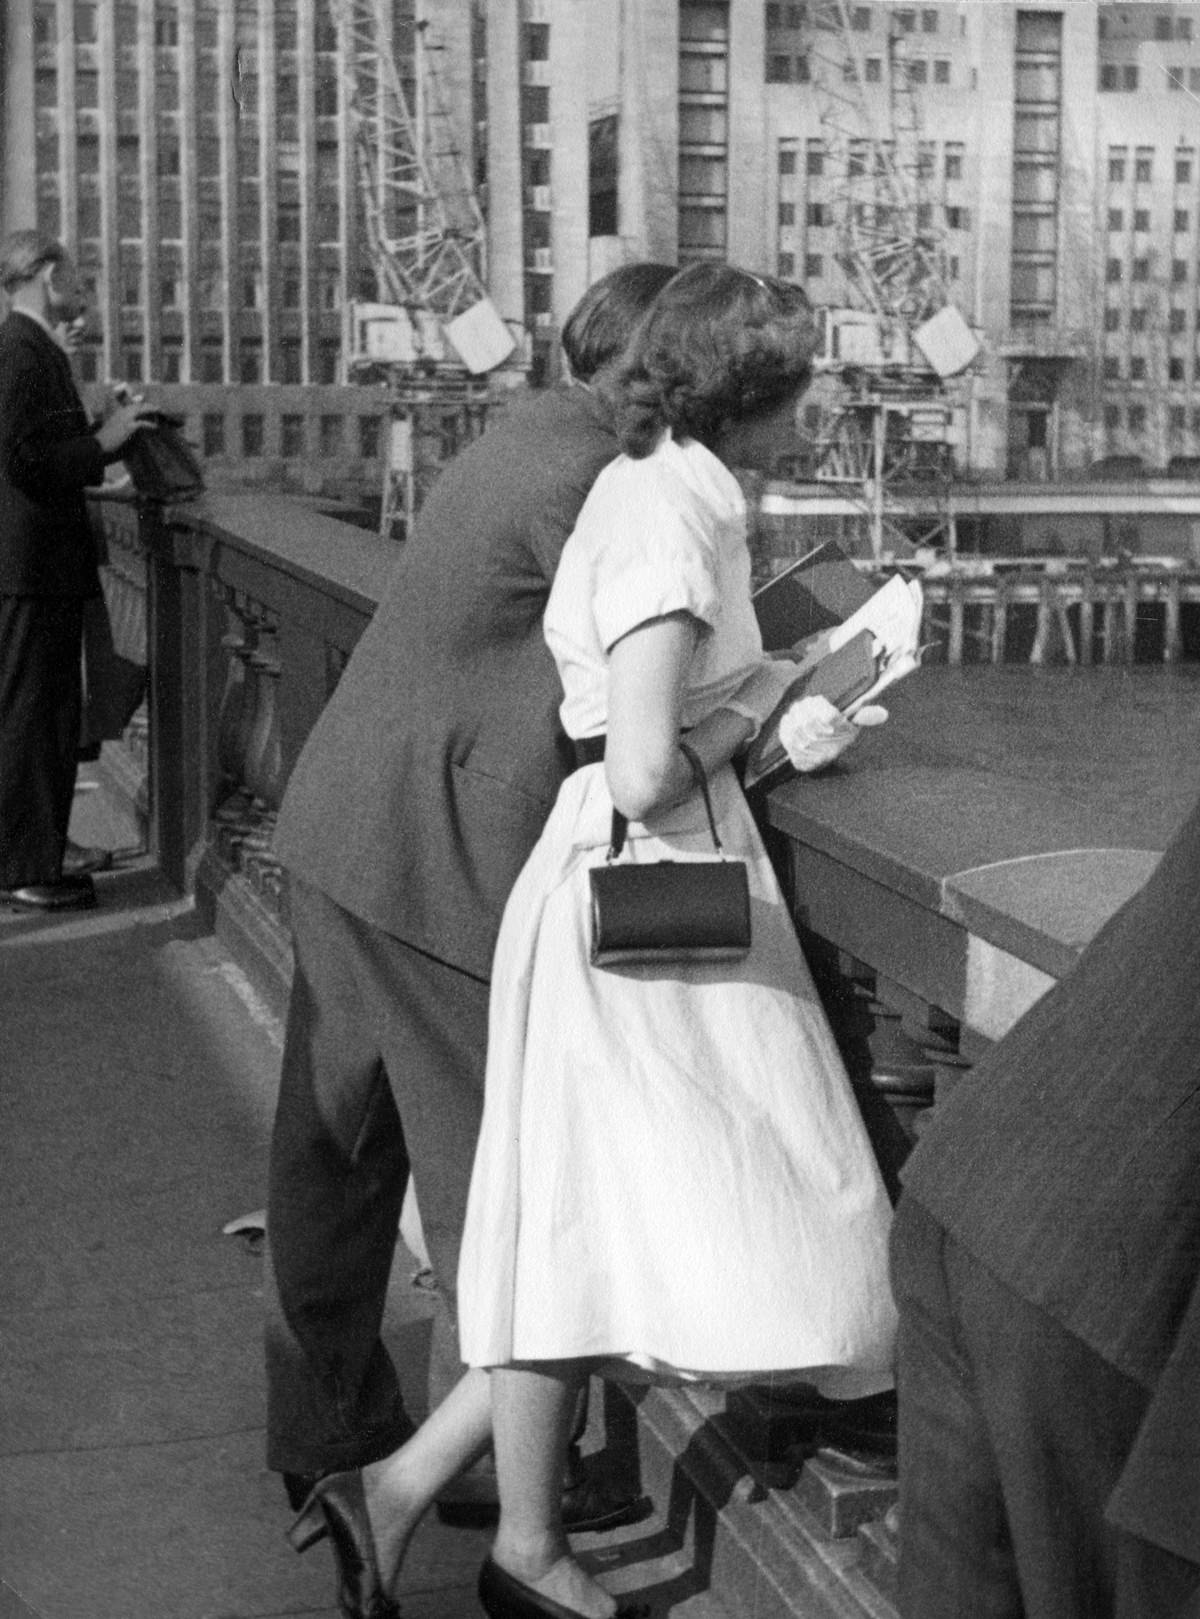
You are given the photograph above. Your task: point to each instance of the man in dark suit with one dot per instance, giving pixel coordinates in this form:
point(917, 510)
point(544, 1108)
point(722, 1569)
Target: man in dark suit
point(412, 808)
point(48, 455)
point(1046, 1259)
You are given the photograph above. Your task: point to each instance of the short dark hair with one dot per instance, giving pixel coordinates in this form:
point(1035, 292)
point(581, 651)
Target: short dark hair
point(23, 253)
point(604, 319)
point(718, 345)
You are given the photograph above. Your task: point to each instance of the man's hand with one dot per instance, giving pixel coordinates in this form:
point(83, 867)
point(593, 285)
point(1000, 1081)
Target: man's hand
point(119, 427)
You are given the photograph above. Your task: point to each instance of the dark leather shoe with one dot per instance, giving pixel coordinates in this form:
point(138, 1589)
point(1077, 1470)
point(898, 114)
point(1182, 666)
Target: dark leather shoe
point(67, 894)
point(337, 1507)
point(588, 1507)
point(503, 1596)
point(80, 861)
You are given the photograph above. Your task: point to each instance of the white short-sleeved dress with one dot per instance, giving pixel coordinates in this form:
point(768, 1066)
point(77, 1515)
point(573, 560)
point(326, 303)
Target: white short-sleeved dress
point(672, 1174)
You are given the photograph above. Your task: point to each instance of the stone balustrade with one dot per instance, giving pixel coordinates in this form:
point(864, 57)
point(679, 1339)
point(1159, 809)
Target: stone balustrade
point(942, 876)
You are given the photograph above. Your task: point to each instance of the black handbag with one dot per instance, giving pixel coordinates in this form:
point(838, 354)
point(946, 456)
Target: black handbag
point(669, 910)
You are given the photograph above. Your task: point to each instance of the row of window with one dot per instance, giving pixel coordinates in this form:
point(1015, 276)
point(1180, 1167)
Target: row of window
point(210, 366)
point(1141, 319)
point(84, 26)
point(1181, 220)
point(904, 20)
point(296, 439)
point(784, 69)
point(1143, 166)
point(1179, 418)
point(1125, 76)
point(816, 159)
point(815, 265)
point(1177, 368)
point(820, 214)
point(1140, 270)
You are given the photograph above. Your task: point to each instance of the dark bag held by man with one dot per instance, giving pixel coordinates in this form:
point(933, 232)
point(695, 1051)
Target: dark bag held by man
point(669, 910)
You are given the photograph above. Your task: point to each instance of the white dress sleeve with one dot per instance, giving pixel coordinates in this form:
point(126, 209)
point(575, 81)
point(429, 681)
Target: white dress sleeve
point(657, 557)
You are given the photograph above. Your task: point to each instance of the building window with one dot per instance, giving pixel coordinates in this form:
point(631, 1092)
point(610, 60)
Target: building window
point(1116, 169)
point(1179, 271)
point(1137, 418)
point(958, 218)
point(1175, 369)
point(1183, 170)
point(941, 71)
point(1141, 270)
point(1178, 419)
point(814, 158)
point(1112, 418)
point(929, 21)
point(1116, 219)
point(1137, 319)
point(906, 22)
point(918, 71)
point(1143, 169)
point(212, 435)
point(860, 19)
point(330, 429)
point(603, 213)
point(1137, 368)
point(1112, 271)
point(802, 71)
point(252, 436)
point(787, 213)
point(954, 161)
point(817, 213)
point(290, 360)
point(133, 362)
point(1112, 320)
point(1162, 26)
point(779, 69)
point(329, 354)
point(291, 437)
point(1182, 219)
point(250, 360)
point(1129, 77)
point(1183, 28)
point(785, 265)
point(212, 361)
point(787, 160)
point(814, 266)
point(370, 437)
point(1112, 368)
point(1141, 219)
point(874, 70)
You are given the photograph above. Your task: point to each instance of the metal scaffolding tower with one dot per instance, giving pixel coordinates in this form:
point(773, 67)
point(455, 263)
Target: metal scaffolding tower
point(433, 335)
point(893, 348)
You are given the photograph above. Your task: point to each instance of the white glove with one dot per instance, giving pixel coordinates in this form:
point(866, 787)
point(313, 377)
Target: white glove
point(814, 733)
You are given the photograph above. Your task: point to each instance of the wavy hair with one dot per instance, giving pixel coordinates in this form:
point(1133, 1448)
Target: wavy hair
point(23, 253)
point(605, 318)
point(718, 345)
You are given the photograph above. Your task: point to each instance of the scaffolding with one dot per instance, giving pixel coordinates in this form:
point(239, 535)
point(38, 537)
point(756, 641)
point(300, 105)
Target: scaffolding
point(433, 335)
point(891, 424)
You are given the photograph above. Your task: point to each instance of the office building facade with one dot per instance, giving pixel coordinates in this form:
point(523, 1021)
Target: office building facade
point(199, 156)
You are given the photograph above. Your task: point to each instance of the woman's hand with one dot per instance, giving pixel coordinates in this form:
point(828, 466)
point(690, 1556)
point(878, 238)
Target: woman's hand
point(814, 733)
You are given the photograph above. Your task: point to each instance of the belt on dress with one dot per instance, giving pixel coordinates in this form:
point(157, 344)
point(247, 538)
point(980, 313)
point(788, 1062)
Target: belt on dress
point(589, 750)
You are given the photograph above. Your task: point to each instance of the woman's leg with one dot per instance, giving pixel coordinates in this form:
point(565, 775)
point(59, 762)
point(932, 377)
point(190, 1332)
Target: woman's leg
point(533, 1411)
point(401, 1488)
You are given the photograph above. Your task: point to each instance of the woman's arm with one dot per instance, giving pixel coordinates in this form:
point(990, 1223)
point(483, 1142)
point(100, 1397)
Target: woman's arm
point(647, 675)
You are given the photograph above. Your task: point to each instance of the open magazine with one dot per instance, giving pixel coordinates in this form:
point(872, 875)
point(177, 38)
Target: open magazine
point(851, 642)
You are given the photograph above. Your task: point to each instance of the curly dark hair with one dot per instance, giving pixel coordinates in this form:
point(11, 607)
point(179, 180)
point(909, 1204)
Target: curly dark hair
point(719, 345)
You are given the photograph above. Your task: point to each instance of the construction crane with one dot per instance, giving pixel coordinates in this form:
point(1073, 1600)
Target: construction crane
point(433, 335)
point(901, 338)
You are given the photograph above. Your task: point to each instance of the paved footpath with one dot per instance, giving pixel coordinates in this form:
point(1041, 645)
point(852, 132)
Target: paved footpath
point(137, 1070)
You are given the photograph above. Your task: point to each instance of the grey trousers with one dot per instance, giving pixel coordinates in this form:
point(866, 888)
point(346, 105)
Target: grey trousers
point(1013, 1434)
point(382, 1073)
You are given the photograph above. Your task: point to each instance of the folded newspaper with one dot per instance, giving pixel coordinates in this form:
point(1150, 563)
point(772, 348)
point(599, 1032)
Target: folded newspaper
point(854, 641)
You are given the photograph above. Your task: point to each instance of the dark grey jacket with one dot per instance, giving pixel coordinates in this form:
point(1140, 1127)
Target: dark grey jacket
point(48, 457)
point(429, 776)
point(1069, 1165)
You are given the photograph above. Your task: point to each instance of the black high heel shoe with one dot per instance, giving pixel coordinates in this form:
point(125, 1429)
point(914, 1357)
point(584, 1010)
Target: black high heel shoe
point(504, 1596)
point(337, 1506)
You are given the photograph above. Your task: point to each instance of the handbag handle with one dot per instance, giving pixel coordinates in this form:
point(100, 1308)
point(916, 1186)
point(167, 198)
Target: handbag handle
point(620, 824)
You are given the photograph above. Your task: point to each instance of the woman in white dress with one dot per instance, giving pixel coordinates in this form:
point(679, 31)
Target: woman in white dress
point(672, 1179)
